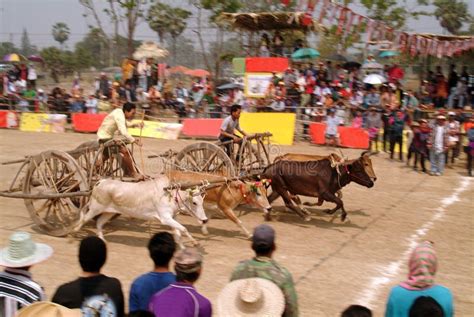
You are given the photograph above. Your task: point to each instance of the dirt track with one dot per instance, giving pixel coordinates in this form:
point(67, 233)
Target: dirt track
point(334, 264)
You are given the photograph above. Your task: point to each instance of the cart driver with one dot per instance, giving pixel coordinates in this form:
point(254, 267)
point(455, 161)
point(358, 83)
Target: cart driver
point(228, 127)
point(115, 121)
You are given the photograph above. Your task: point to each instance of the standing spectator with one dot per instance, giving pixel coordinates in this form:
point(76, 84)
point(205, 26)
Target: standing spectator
point(104, 85)
point(263, 266)
point(17, 288)
point(181, 299)
point(438, 145)
point(419, 145)
point(454, 128)
point(356, 311)
point(129, 93)
point(372, 99)
point(357, 121)
point(332, 122)
point(92, 287)
point(469, 149)
point(277, 43)
point(422, 269)
point(374, 123)
point(452, 83)
point(264, 49)
point(161, 249)
point(250, 297)
point(91, 104)
point(426, 306)
point(441, 91)
point(32, 76)
point(77, 104)
point(397, 123)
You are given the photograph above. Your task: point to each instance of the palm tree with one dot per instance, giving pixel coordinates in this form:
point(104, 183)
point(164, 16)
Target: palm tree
point(61, 33)
point(451, 14)
point(164, 19)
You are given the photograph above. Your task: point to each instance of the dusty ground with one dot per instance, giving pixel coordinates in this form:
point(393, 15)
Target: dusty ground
point(333, 264)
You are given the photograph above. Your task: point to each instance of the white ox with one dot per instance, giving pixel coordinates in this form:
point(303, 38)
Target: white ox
point(146, 200)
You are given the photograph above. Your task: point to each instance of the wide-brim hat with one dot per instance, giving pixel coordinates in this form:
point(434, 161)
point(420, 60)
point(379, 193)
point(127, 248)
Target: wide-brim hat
point(23, 252)
point(441, 117)
point(250, 297)
point(48, 309)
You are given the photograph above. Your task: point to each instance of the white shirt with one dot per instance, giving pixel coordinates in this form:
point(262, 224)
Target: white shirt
point(229, 125)
point(438, 141)
point(113, 122)
point(331, 125)
point(32, 74)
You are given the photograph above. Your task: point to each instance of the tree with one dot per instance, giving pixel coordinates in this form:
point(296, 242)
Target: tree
point(82, 58)
point(61, 33)
point(452, 14)
point(395, 13)
point(165, 19)
point(26, 47)
point(186, 53)
point(133, 12)
point(7, 48)
point(53, 61)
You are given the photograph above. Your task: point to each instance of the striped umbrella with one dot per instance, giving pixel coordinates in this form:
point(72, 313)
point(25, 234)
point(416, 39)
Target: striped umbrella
point(14, 58)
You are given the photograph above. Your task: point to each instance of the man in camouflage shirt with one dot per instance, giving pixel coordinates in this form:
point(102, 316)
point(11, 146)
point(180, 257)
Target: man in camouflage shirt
point(263, 266)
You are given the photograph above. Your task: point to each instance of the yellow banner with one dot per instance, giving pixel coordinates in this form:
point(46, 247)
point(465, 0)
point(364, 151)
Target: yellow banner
point(281, 125)
point(157, 130)
point(43, 122)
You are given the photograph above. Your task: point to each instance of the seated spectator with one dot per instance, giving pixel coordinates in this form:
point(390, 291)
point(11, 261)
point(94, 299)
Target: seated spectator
point(17, 288)
point(91, 104)
point(104, 105)
point(426, 306)
point(263, 266)
point(161, 249)
point(422, 265)
point(357, 120)
point(92, 287)
point(181, 298)
point(48, 309)
point(251, 297)
point(356, 311)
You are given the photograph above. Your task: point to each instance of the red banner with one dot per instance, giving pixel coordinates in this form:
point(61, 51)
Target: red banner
point(207, 128)
point(266, 64)
point(87, 122)
point(8, 119)
point(355, 138)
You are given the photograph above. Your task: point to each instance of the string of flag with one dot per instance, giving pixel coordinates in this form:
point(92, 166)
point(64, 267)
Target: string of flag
point(326, 12)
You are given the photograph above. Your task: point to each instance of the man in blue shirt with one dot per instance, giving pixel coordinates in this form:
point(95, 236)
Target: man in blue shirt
point(161, 247)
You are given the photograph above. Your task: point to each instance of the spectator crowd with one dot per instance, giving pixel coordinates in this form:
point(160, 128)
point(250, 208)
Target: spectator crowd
point(257, 287)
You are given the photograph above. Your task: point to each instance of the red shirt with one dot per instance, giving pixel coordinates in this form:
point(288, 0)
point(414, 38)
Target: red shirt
point(310, 83)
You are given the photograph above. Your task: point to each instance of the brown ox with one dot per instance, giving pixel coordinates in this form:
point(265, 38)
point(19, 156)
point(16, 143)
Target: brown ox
point(306, 157)
point(320, 179)
point(228, 196)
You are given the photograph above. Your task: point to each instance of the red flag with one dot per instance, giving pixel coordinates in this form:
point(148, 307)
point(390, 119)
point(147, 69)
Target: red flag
point(342, 19)
point(323, 11)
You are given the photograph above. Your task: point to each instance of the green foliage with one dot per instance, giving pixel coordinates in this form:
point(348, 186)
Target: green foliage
point(61, 32)
point(266, 6)
point(7, 48)
point(452, 14)
point(393, 12)
point(165, 19)
point(219, 6)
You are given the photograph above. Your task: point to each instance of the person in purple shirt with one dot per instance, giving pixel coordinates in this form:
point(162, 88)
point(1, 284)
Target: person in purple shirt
point(181, 299)
point(161, 247)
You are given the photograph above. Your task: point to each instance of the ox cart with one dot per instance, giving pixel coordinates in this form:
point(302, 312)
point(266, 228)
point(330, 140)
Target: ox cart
point(228, 159)
point(56, 185)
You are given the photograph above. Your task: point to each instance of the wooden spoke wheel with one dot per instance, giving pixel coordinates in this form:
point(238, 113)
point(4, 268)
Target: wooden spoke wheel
point(205, 157)
point(107, 163)
point(85, 154)
point(55, 172)
point(252, 158)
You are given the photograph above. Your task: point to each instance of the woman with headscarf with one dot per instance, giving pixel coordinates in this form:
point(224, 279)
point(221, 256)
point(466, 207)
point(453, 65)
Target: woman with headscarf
point(422, 269)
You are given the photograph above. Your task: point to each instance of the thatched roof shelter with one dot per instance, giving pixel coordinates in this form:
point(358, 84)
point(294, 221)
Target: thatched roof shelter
point(269, 21)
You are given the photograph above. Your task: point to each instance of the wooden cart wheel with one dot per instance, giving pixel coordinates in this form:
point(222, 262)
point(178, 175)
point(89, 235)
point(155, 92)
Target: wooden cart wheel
point(85, 154)
point(205, 157)
point(55, 172)
point(106, 163)
point(253, 158)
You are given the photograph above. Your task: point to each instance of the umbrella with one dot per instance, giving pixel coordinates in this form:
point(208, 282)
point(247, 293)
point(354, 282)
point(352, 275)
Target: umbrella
point(350, 65)
point(14, 58)
point(374, 79)
point(305, 53)
point(149, 49)
point(36, 58)
point(197, 73)
point(337, 58)
point(372, 65)
point(230, 86)
point(178, 69)
point(388, 54)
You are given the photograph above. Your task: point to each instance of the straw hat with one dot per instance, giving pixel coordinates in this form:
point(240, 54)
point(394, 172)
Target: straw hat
point(22, 251)
point(415, 124)
point(250, 297)
point(441, 117)
point(48, 309)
